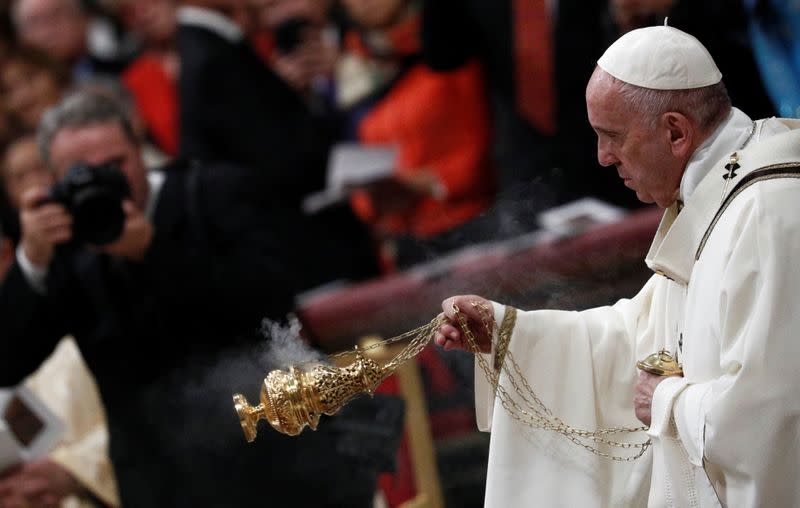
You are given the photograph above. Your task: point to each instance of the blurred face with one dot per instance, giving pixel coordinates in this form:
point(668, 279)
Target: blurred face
point(153, 20)
point(57, 27)
point(375, 13)
point(640, 153)
point(100, 144)
point(272, 13)
point(29, 91)
point(23, 169)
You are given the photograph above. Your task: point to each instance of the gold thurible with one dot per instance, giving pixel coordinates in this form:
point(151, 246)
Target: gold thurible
point(295, 398)
point(292, 399)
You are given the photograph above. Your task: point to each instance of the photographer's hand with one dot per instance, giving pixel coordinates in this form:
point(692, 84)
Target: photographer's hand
point(136, 237)
point(44, 225)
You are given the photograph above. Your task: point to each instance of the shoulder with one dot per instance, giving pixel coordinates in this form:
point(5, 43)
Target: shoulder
point(423, 78)
point(200, 46)
point(763, 215)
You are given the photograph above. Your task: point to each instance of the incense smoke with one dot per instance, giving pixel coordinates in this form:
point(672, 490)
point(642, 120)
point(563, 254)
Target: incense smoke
point(285, 345)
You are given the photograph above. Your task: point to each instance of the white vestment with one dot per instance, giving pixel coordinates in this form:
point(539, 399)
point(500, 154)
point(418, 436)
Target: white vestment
point(728, 432)
point(64, 383)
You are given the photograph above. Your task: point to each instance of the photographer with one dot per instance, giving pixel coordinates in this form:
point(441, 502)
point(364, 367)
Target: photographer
point(164, 314)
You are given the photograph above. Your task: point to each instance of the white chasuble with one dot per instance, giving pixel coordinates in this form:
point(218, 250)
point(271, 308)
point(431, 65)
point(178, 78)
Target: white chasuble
point(728, 432)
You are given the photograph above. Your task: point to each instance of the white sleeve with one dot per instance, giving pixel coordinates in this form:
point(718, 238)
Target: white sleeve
point(597, 347)
point(744, 421)
point(33, 274)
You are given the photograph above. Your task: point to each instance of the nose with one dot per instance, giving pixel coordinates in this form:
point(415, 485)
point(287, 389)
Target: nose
point(605, 156)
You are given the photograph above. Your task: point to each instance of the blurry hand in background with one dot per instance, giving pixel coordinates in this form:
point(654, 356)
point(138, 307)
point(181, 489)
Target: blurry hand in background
point(38, 484)
point(306, 49)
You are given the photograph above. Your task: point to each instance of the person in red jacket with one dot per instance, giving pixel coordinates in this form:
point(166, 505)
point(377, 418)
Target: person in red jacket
point(152, 77)
point(439, 123)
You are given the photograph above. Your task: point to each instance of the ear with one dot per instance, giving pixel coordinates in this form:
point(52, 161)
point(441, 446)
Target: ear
point(681, 133)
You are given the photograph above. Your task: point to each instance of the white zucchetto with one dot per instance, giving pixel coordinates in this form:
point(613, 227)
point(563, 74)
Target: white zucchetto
point(661, 58)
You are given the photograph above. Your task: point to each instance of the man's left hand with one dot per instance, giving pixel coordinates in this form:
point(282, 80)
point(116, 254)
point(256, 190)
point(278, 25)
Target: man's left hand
point(39, 484)
point(643, 395)
point(136, 237)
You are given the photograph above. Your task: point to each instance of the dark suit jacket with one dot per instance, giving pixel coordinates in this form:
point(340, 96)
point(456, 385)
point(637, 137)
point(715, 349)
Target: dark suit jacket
point(234, 108)
point(170, 339)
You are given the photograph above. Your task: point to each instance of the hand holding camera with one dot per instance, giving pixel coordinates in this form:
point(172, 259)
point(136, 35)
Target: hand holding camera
point(44, 225)
point(89, 206)
point(136, 236)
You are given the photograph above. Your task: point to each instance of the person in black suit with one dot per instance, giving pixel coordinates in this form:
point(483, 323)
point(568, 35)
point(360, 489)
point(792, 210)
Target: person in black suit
point(166, 317)
point(234, 108)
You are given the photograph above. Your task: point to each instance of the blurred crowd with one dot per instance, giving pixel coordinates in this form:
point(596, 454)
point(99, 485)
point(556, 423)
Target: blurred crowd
point(222, 115)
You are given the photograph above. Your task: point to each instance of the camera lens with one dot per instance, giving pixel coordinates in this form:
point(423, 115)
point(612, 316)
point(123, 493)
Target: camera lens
point(289, 34)
point(97, 216)
point(93, 195)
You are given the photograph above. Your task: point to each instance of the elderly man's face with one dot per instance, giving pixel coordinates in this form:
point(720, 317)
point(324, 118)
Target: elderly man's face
point(625, 140)
point(100, 144)
point(57, 27)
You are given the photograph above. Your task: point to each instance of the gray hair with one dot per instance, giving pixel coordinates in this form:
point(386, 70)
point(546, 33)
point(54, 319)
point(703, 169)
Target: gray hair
point(108, 85)
point(707, 106)
point(78, 109)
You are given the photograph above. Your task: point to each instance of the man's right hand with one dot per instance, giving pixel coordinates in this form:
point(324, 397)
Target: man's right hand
point(43, 226)
point(480, 320)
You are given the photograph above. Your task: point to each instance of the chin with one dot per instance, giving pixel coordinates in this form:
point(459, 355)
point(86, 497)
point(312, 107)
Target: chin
point(646, 198)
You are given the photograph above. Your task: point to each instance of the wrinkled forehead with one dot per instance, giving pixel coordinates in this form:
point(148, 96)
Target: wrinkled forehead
point(601, 84)
point(602, 92)
point(94, 144)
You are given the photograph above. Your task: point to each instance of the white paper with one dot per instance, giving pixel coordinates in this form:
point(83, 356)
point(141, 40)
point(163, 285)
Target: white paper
point(12, 451)
point(576, 217)
point(352, 165)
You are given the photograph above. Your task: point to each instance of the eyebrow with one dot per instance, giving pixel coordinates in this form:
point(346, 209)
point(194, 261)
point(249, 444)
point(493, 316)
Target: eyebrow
point(607, 132)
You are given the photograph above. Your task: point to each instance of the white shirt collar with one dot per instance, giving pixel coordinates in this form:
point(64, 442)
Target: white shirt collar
point(155, 179)
point(729, 137)
point(210, 20)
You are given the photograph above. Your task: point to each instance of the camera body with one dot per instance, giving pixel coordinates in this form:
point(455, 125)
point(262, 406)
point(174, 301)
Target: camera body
point(289, 34)
point(93, 195)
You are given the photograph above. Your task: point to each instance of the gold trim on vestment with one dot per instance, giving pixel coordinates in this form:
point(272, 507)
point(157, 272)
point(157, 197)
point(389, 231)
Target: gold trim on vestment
point(503, 338)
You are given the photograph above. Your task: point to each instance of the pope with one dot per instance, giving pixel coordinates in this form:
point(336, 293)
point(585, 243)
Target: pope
point(723, 299)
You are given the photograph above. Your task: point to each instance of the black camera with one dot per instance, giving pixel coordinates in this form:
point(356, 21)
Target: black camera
point(93, 195)
point(289, 34)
